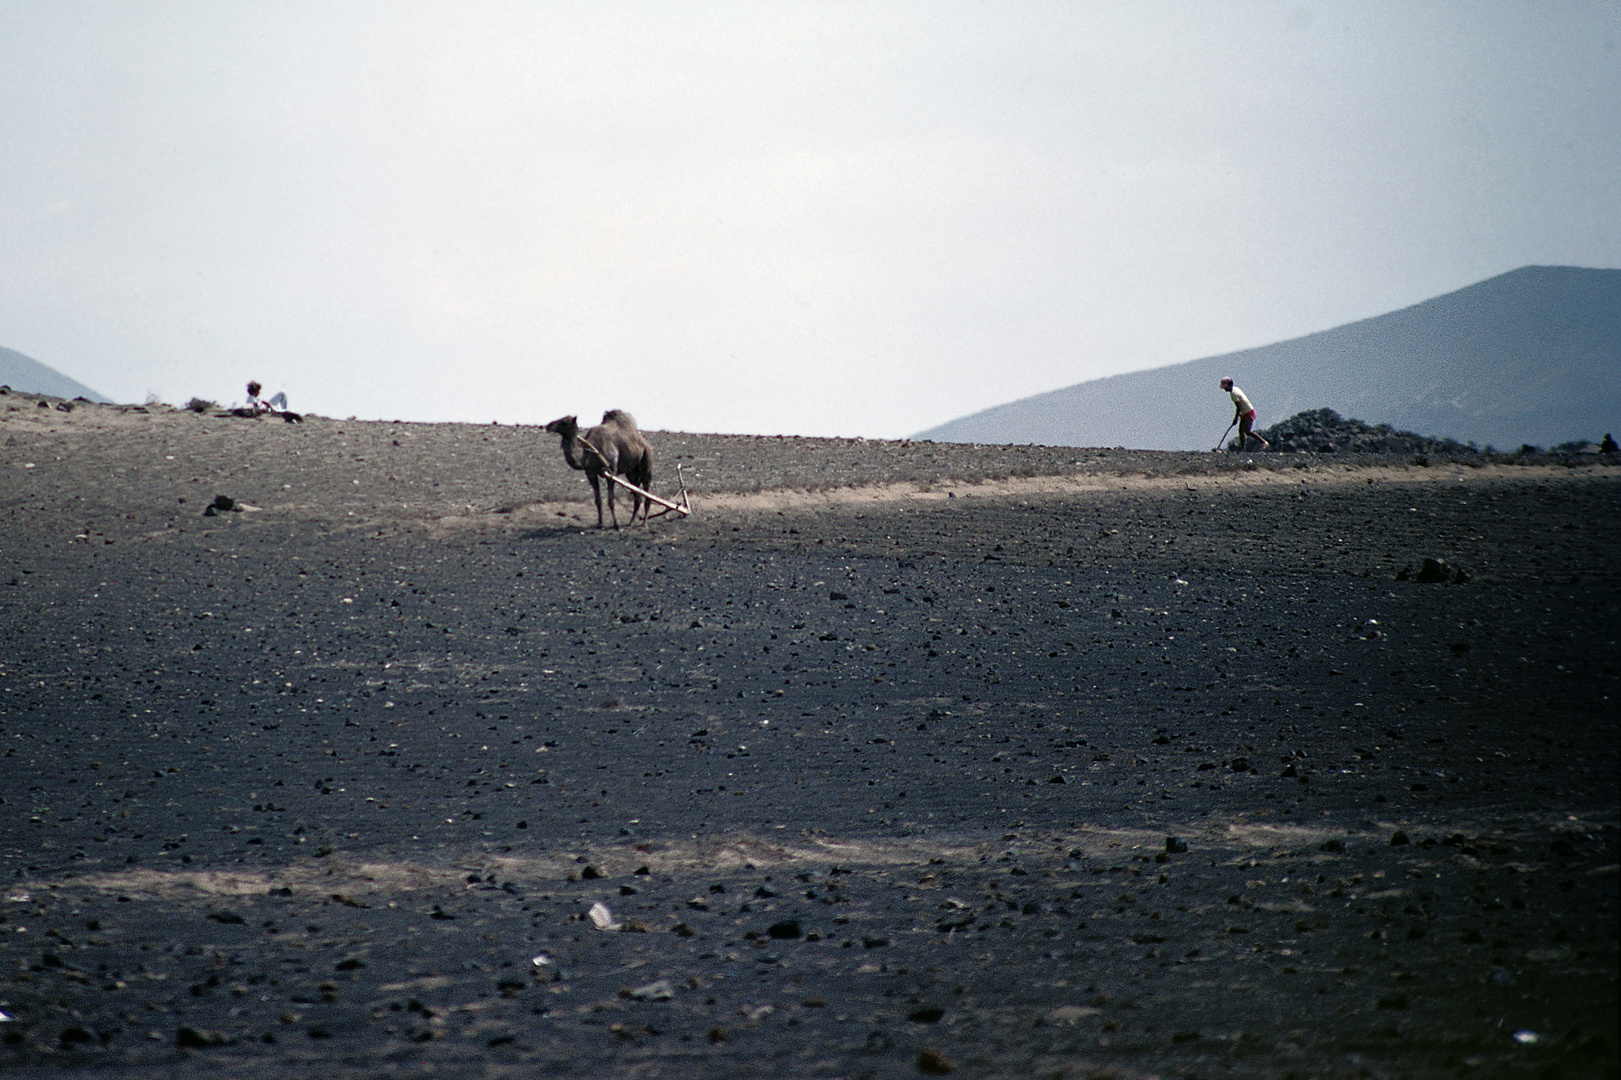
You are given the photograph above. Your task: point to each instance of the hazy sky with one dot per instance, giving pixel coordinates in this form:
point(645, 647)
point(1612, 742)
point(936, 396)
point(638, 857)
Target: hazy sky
point(811, 218)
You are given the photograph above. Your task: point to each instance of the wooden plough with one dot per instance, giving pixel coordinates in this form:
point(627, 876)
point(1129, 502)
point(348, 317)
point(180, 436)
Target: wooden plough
point(683, 507)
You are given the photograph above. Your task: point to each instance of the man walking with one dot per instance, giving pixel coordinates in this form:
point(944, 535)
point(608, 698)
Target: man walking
point(1243, 416)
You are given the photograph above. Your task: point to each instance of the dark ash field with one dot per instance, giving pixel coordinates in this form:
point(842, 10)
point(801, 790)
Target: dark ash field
point(894, 759)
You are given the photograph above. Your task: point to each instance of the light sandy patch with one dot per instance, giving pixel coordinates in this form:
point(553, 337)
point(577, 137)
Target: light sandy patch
point(1046, 486)
point(548, 517)
point(715, 854)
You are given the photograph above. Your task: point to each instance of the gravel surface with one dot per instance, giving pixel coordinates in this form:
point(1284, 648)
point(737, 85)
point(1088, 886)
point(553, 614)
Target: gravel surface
point(893, 759)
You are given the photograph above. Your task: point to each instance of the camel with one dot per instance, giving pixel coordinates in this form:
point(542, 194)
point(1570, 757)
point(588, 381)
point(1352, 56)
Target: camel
point(615, 447)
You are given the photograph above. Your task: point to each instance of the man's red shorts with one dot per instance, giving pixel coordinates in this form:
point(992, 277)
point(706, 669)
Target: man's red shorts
point(1250, 416)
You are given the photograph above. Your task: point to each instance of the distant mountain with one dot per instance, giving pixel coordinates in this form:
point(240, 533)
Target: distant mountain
point(1532, 356)
point(32, 377)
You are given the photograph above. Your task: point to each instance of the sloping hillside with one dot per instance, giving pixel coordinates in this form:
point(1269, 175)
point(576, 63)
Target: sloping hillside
point(32, 377)
point(1531, 356)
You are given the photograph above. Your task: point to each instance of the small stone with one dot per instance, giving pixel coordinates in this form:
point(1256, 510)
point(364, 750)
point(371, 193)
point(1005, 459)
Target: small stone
point(190, 1038)
point(658, 990)
point(1070, 1015)
point(786, 930)
point(1175, 845)
point(1433, 571)
point(934, 1063)
point(1398, 838)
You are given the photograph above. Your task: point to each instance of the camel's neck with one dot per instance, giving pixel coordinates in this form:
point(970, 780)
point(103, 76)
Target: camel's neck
point(570, 445)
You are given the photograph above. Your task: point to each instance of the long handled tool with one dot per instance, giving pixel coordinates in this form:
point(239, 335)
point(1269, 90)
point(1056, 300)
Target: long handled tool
point(683, 507)
point(1225, 434)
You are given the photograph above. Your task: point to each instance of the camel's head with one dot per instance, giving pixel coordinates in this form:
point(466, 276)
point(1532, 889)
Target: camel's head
point(565, 426)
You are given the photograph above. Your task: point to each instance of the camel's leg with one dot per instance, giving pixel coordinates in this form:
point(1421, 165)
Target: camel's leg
point(641, 479)
point(611, 511)
point(596, 493)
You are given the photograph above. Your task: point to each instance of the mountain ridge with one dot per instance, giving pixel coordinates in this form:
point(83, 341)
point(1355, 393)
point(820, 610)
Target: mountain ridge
point(32, 377)
point(1529, 356)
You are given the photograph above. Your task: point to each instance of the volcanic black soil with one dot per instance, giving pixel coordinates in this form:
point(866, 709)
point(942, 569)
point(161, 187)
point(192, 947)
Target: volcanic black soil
point(892, 759)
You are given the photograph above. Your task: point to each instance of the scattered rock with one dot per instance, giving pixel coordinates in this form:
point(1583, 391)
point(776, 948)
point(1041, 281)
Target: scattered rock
point(934, 1063)
point(1324, 431)
point(1433, 571)
point(1069, 1015)
point(190, 1038)
point(658, 990)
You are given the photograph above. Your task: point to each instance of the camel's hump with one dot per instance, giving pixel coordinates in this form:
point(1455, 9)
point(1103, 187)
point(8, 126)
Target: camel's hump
point(619, 417)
